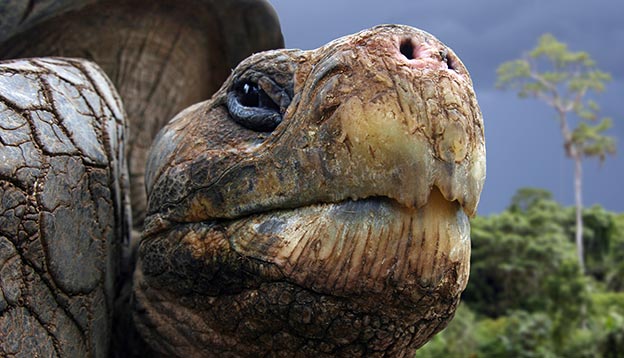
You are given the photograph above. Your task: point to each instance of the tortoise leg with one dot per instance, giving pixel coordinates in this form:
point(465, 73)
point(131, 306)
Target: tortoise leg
point(63, 207)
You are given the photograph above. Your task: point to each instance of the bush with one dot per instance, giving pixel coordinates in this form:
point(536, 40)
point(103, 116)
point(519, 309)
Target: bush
point(608, 320)
point(615, 258)
point(519, 335)
point(523, 260)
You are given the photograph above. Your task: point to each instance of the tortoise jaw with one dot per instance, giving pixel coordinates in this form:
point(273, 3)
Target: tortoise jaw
point(373, 246)
point(338, 273)
point(368, 275)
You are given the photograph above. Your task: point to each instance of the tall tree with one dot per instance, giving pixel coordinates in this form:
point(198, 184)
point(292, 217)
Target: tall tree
point(564, 80)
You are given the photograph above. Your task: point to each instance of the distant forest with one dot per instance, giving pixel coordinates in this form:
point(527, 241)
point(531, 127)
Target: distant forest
point(527, 296)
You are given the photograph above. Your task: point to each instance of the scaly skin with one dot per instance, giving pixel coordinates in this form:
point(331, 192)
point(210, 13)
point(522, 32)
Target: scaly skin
point(63, 216)
point(343, 232)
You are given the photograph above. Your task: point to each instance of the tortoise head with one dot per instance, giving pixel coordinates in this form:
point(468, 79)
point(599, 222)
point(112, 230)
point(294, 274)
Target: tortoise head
point(317, 204)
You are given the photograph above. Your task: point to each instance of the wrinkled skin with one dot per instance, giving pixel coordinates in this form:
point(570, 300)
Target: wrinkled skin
point(341, 232)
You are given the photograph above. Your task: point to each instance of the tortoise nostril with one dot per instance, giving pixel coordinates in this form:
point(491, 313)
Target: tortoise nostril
point(407, 48)
point(444, 55)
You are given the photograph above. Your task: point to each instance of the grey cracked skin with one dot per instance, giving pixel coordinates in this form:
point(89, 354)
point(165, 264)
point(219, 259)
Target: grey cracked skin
point(316, 206)
point(63, 187)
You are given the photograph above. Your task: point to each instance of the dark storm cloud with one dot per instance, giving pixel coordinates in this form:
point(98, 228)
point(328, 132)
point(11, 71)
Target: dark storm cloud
point(523, 141)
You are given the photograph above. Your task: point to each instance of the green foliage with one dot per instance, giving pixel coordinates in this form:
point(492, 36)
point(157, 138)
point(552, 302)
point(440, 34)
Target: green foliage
point(604, 243)
point(522, 259)
point(520, 334)
point(605, 327)
point(558, 53)
point(526, 198)
point(591, 140)
point(527, 297)
point(614, 275)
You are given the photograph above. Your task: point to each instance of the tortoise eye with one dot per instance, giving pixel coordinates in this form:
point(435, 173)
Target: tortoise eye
point(251, 107)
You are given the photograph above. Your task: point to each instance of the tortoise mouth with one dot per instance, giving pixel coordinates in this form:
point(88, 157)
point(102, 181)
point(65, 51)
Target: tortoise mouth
point(365, 246)
point(357, 273)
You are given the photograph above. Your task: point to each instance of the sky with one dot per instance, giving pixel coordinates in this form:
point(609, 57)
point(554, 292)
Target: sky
point(523, 141)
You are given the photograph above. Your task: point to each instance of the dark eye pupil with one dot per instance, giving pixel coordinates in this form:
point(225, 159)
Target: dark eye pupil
point(250, 96)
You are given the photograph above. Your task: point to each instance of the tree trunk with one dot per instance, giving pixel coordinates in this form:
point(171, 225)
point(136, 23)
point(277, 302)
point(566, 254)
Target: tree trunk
point(578, 173)
point(573, 152)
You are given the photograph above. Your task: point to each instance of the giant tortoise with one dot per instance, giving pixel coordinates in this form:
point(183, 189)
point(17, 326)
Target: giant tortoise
point(316, 206)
